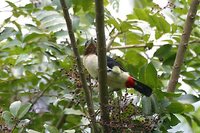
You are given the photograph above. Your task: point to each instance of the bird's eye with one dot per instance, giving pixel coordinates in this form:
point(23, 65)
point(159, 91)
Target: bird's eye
point(95, 40)
point(86, 43)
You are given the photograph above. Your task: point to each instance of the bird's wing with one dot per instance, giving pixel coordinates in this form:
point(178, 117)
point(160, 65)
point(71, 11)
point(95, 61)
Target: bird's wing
point(111, 63)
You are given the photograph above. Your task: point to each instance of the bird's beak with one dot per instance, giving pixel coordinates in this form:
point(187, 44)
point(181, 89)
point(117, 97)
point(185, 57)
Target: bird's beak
point(90, 42)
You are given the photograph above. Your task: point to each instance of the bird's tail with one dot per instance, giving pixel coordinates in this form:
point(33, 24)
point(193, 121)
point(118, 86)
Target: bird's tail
point(142, 88)
point(137, 85)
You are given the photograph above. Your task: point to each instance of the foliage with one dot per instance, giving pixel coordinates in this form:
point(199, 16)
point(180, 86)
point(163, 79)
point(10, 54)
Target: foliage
point(40, 84)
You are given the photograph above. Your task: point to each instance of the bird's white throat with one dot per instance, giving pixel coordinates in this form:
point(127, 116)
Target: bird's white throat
point(91, 64)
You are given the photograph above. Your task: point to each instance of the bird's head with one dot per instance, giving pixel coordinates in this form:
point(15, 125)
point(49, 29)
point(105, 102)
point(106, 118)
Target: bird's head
point(90, 47)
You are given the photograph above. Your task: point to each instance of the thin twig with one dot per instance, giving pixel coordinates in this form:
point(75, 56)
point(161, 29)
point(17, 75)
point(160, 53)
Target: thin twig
point(183, 45)
point(111, 40)
point(102, 64)
point(63, 116)
point(14, 127)
point(39, 96)
point(88, 97)
point(129, 46)
point(134, 46)
point(144, 45)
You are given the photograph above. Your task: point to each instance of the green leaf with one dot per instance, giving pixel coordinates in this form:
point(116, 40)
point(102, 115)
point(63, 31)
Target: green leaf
point(73, 120)
point(45, 16)
point(14, 107)
point(23, 110)
point(49, 8)
point(72, 111)
point(18, 26)
point(174, 120)
point(3, 75)
point(9, 119)
point(143, 3)
point(7, 116)
point(70, 131)
point(31, 131)
point(134, 58)
point(190, 74)
point(166, 54)
point(7, 32)
point(188, 118)
point(179, 108)
point(155, 104)
point(125, 26)
point(175, 107)
point(23, 123)
point(33, 36)
point(142, 14)
point(168, 95)
point(12, 5)
point(160, 23)
point(163, 52)
point(85, 5)
point(170, 59)
point(166, 123)
point(188, 108)
point(61, 34)
point(196, 119)
point(180, 10)
point(75, 22)
point(113, 22)
point(193, 83)
point(89, 18)
point(17, 11)
point(51, 129)
point(56, 27)
point(188, 98)
point(148, 75)
point(146, 105)
point(149, 45)
point(158, 34)
point(155, 20)
point(133, 38)
point(33, 28)
point(21, 58)
point(29, 8)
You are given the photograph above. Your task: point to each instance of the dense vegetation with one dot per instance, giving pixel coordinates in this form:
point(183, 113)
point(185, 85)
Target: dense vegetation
point(40, 87)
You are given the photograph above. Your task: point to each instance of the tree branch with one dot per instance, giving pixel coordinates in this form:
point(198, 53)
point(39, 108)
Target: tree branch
point(88, 97)
point(129, 46)
point(102, 63)
point(143, 45)
point(183, 45)
point(134, 46)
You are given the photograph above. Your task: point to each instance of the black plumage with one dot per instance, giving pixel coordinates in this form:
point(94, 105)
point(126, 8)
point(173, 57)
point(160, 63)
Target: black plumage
point(111, 63)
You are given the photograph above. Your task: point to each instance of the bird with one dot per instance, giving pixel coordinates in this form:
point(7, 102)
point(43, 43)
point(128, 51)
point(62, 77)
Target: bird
point(117, 76)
